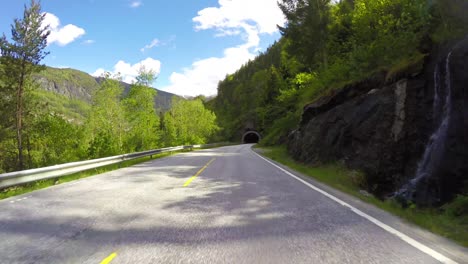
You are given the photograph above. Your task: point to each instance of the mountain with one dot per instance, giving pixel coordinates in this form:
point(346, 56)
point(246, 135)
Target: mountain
point(162, 100)
point(69, 91)
point(71, 83)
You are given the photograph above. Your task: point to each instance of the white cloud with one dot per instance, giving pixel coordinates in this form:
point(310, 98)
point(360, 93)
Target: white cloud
point(128, 72)
point(203, 76)
point(58, 34)
point(136, 4)
point(154, 43)
point(89, 41)
point(159, 43)
point(231, 18)
point(99, 72)
point(264, 14)
point(228, 32)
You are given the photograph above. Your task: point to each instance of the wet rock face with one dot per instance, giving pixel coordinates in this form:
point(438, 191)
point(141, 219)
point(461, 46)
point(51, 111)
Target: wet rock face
point(446, 173)
point(384, 130)
point(453, 172)
point(366, 132)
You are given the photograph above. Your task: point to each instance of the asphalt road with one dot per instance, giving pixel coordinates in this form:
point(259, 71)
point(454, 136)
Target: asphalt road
point(239, 209)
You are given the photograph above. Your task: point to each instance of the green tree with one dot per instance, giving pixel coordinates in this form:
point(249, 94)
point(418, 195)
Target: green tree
point(340, 29)
point(54, 140)
point(307, 27)
point(387, 31)
point(146, 77)
point(144, 132)
point(188, 122)
point(20, 58)
point(106, 124)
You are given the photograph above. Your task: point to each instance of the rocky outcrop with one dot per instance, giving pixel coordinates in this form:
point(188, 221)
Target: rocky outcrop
point(339, 97)
point(70, 89)
point(384, 130)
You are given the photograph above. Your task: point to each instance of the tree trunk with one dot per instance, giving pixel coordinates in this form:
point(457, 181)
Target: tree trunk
point(19, 122)
point(30, 165)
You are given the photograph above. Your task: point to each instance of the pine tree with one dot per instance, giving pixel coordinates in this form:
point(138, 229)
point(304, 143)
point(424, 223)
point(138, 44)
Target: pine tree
point(307, 22)
point(20, 58)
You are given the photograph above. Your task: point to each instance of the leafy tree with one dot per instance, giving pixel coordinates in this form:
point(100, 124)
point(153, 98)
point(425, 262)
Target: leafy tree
point(143, 121)
point(188, 122)
point(20, 58)
point(387, 31)
point(106, 123)
point(55, 140)
point(146, 77)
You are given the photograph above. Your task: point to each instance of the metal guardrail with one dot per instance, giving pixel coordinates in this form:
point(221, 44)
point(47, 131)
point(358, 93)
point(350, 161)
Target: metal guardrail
point(26, 176)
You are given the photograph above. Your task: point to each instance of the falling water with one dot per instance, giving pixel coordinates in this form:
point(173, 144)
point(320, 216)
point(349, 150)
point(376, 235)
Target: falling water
point(435, 147)
point(436, 102)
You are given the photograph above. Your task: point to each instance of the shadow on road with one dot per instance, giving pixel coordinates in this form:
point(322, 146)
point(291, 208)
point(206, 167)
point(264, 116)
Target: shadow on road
point(232, 200)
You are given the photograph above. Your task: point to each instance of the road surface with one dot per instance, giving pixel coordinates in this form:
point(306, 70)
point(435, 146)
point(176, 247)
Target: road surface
point(224, 205)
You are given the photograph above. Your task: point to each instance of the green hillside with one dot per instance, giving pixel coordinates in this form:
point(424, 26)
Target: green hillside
point(69, 92)
point(72, 83)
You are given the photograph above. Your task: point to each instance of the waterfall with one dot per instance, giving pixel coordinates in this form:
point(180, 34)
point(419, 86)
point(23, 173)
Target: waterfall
point(436, 145)
point(436, 102)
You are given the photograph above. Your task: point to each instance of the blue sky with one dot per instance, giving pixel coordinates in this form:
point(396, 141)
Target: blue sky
point(191, 44)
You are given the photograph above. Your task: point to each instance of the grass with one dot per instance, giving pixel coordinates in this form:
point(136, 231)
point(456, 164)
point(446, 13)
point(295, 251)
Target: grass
point(26, 188)
point(450, 220)
point(413, 64)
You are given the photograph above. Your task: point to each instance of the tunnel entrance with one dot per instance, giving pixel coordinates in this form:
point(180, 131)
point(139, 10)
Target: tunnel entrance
point(250, 137)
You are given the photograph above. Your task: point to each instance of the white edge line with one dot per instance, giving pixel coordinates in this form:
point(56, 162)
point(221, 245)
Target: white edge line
point(387, 228)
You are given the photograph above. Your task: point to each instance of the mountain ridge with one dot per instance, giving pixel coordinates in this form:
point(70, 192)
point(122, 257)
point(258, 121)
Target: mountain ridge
point(78, 85)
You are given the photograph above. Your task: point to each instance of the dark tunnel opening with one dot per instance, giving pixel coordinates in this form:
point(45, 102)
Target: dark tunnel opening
point(250, 138)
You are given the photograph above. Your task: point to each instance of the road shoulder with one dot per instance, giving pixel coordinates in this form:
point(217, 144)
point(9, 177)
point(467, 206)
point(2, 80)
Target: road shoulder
point(433, 241)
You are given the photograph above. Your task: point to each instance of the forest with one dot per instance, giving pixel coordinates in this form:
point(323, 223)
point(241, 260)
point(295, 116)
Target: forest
point(325, 46)
point(39, 128)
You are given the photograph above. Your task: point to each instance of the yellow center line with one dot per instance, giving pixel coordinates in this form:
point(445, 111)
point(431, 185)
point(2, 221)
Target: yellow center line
point(109, 258)
point(198, 173)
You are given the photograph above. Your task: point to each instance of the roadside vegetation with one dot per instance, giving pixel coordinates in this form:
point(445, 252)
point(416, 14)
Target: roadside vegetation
point(40, 128)
point(450, 220)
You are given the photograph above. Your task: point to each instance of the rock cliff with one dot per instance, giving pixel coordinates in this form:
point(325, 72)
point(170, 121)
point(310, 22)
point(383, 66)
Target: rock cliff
point(410, 137)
